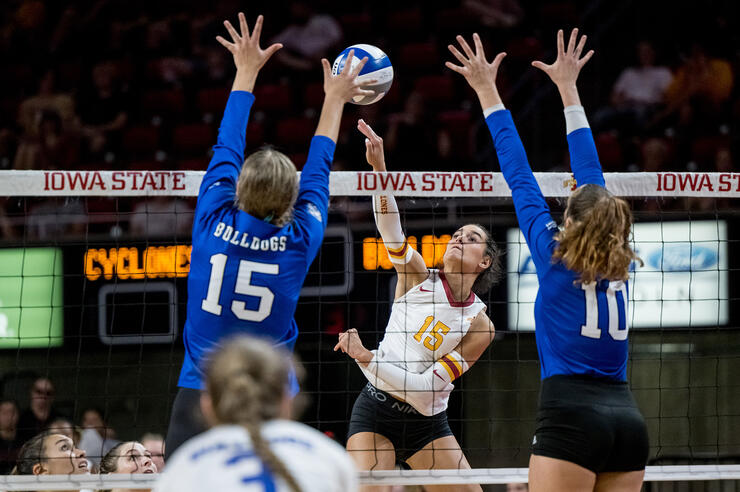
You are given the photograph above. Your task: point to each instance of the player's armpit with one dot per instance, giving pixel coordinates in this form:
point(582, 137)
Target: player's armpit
point(410, 275)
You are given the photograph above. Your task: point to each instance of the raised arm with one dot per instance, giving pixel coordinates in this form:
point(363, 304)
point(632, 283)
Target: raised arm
point(530, 205)
point(408, 263)
point(228, 153)
point(584, 161)
point(419, 389)
point(312, 204)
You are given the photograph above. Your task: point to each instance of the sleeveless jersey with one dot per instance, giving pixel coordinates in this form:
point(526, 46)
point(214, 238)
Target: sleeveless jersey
point(425, 324)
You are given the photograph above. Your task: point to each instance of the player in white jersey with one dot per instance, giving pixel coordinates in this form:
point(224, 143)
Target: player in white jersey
point(253, 447)
point(438, 328)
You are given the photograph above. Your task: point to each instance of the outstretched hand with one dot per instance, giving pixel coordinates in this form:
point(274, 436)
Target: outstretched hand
point(566, 67)
point(479, 74)
point(245, 48)
point(350, 344)
point(373, 146)
point(345, 85)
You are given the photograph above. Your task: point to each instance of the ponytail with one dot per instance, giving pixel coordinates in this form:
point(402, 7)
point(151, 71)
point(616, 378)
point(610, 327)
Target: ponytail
point(247, 381)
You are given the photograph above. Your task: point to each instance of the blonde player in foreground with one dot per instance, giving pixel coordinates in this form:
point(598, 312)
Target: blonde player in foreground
point(253, 445)
point(437, 329)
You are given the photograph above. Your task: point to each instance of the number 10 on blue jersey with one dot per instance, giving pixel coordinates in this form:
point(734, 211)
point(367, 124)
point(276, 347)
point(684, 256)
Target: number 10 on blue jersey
point(591, 328)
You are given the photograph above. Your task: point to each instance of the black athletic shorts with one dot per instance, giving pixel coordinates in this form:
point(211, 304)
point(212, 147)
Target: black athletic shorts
point(186, 420)
point(409, 431)
point(592, 422)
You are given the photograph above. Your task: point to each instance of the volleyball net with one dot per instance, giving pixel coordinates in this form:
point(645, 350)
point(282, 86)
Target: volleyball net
point(93, 272)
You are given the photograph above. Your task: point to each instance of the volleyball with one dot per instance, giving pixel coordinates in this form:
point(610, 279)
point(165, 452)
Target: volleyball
point(378, 67)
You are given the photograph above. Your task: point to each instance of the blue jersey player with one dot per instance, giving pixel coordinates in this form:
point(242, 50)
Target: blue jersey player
point(590, 435)
point(256, 230)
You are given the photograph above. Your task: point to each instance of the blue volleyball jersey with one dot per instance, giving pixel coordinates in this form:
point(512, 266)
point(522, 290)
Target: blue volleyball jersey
point(246, 274)
point(580, 328)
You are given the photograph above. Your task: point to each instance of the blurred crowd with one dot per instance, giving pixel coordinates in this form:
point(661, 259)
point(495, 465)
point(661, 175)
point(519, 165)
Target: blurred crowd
point(113, 84)
point(89, 434)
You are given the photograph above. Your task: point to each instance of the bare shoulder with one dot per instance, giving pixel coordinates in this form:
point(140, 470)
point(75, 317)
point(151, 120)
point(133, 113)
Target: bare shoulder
point(482, 323)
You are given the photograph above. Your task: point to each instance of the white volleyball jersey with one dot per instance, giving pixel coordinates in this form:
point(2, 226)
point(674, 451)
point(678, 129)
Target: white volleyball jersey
point(425, 324)
point(222, 459)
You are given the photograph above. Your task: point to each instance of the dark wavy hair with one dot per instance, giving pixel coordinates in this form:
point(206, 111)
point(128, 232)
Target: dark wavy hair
point(491, 275)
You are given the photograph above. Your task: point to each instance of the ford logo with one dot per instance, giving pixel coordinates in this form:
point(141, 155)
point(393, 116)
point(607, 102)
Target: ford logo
point(682, 257)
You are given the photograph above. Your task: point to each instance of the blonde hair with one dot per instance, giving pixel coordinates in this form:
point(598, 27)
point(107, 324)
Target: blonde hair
point(247, 381)
point(268, 186)
point(595, 244)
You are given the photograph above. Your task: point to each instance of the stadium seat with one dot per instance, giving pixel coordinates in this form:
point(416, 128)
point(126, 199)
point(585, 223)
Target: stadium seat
point(295, 131)
point(192, 139)
point(166, 103)
point(192, 164)
point(255, 134)
point(436, 89)
point(419, 56)
point(211, 102)
point(272, 97)
point(145, 166)
point(405, 24)
point(704, 150)
point(454, 21)
point(610, 151)
point(142, 139)
point(526, 48)
point(313, 96)
point(457, 122)
point(299, 159)
point(359, 25)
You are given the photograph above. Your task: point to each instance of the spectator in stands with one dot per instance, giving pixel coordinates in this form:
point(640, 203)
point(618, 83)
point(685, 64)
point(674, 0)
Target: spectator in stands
point(48, 99)
point(97, 438)
point(7, 228)
point(55, 218)
point(308, 38)
point(638, 92)
point(9, 442)
point(495, 13)
point(41, 410)
point(128, 457)
point(409, 142)
point(103, 110)
point(51, 454)
point(214, 69)
point(161, 216)
point(154, 443)
point(8, 146)
point(696, 98)
point(48, 147)
point(92, 418)
point(65, 427)
point(655, 154)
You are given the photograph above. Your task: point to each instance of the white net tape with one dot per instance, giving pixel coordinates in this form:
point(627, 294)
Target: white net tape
point(353, 183)
point(672, 473)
